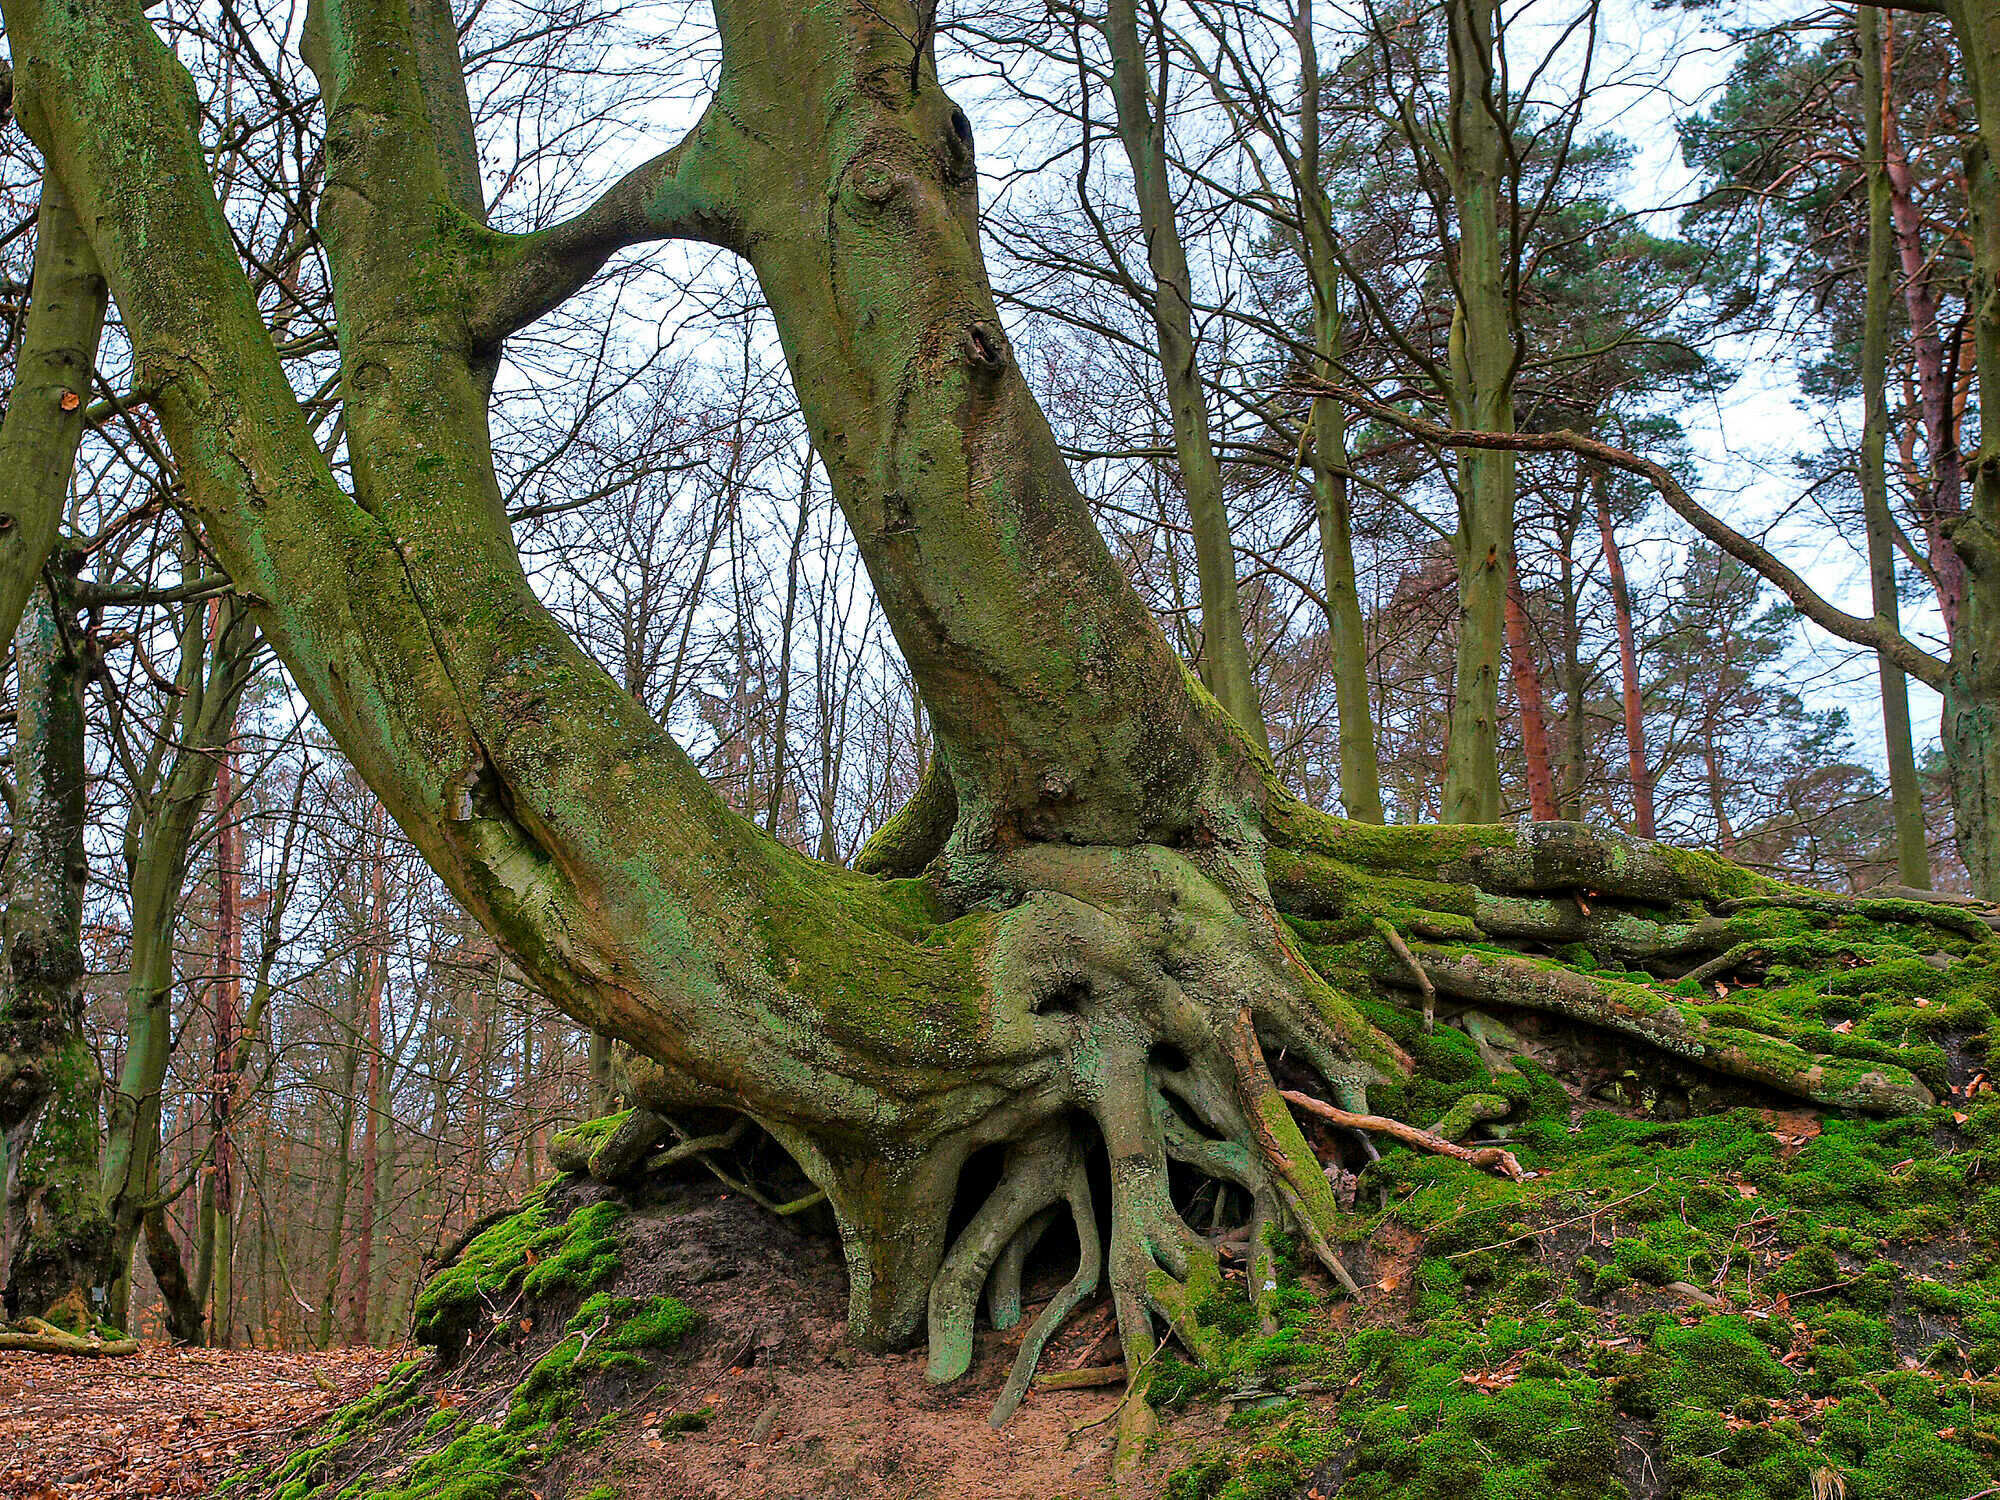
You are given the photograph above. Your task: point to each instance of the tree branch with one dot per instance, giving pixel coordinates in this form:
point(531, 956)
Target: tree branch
point(1875, 634)
point(673, 196)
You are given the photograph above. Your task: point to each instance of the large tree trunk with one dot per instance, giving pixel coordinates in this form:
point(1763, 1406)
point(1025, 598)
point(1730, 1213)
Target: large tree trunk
point(1096, 962)
point(56, 1240)
point(1972, 685)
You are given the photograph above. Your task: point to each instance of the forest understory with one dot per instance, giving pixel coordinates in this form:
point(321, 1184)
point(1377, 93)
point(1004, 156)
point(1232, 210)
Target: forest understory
point(1696, 1287)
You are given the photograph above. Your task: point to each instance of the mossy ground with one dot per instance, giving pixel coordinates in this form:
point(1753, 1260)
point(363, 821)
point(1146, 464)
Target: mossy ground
point(1539, 1343)
point(1700, 1291)
point(520, 1402)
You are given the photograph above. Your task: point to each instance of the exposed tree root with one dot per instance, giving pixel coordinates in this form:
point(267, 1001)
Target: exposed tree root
point(1491, 1157)
point(1646, 1015)
point(1135, 995)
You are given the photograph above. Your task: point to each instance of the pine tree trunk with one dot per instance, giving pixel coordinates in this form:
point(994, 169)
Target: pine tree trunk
point(1534, 718)
point(1943, 490)
point(1906, 803)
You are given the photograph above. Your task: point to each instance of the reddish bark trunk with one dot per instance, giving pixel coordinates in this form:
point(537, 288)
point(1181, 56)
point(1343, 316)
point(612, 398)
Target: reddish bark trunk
point(1528, 693)
point(1628, 665)
point(1939, 493)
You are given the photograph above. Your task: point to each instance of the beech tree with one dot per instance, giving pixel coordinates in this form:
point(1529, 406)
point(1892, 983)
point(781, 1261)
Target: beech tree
point(1078, 940)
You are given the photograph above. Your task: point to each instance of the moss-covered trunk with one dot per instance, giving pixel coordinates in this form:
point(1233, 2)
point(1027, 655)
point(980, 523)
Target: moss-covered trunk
point(1483, 356)
point(1095, 960)
point(57, 1240)
point(1972, 686)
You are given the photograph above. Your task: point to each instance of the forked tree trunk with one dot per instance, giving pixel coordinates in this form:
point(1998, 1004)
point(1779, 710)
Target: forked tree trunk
point(1095, 963)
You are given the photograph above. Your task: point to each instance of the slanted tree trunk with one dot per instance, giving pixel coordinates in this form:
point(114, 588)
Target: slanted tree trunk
point(1142, 126)
point(1096, 964)
point(1906, 803)
point(55, 1240)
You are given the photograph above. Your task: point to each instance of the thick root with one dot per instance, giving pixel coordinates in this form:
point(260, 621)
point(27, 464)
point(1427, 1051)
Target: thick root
point(1646, 1015)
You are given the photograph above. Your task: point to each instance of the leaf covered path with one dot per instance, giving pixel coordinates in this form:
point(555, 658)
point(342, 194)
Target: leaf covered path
point(166, 1421)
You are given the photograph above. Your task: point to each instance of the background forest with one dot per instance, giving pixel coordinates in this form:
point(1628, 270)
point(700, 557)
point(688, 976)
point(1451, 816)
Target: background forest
point(319, 1072)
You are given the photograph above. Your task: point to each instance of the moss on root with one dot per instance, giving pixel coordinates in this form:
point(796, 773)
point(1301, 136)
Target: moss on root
point(1543, 1344)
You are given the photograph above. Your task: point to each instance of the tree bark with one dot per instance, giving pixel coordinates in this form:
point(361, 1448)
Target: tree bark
point(1906, 803)
point(1484, 351)
point(221, 1194)
point(1142, 126)
point(361, 1287)
point(1972, 686)
point(1638, 772)
point(1942, 494)
point(177, 778)
point(56, 1239)
point(1360, 772)
point(1528, 694)
point(45, 412)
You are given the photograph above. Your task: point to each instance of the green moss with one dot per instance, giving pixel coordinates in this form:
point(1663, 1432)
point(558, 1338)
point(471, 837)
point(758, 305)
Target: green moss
point(528, 1252)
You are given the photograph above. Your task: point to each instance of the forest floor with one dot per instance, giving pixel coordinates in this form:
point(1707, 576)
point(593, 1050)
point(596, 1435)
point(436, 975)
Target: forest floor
point(1695, 1292)
point(165, 1421)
